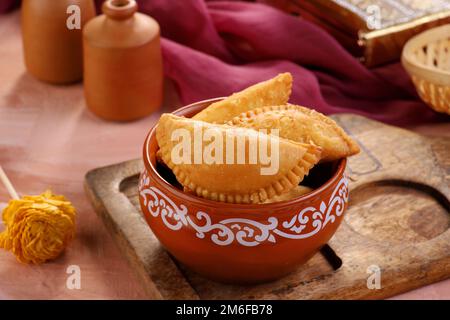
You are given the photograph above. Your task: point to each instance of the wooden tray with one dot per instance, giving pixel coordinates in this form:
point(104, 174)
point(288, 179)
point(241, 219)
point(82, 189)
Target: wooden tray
point(398, 220)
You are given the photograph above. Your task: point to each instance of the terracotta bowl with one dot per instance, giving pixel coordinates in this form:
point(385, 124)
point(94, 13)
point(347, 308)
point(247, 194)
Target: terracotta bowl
point(240, 243)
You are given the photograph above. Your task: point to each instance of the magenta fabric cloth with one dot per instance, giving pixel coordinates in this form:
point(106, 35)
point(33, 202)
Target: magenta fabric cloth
point(7, 5)
point(214, 48)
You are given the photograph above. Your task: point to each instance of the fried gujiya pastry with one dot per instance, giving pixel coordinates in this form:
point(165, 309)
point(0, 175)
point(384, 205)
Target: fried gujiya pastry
point(275, 91)
point(217, 174)
point(302, 125)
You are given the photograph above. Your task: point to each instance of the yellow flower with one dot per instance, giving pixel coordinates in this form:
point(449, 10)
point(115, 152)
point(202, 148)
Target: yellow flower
point(38, 228)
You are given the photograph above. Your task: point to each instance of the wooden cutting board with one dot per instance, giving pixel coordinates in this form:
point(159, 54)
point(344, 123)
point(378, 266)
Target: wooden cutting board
point(397, 222)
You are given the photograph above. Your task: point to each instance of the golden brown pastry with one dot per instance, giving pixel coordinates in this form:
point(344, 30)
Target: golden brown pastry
point(302, 125)
point(275, 91)
point(291, 194)
point(225, 180)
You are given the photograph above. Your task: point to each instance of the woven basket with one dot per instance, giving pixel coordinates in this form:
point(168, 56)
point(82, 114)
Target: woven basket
point(426, 57)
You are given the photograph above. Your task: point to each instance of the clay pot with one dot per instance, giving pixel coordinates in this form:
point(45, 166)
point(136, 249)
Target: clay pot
point(240, 243)
point(123, 73)
point(53, 52)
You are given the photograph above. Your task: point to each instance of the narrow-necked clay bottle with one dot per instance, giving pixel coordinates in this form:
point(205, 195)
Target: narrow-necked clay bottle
point(52, 38)
point(123, 73)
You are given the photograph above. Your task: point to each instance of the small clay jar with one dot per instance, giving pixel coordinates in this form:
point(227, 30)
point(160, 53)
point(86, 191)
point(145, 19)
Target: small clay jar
point(52, 38)
point(123, 72)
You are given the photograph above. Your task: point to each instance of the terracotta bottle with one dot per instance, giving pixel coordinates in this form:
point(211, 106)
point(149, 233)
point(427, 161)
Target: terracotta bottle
point(123, 72)
point(52, 38)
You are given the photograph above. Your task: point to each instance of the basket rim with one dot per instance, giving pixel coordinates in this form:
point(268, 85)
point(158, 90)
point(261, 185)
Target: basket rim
point(432, 74)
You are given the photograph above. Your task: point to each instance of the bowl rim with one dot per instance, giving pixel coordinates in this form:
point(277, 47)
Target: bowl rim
point(151, 170)
point(413, 67)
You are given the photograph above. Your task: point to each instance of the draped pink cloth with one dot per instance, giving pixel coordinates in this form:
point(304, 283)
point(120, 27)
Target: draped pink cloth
point(214, 48)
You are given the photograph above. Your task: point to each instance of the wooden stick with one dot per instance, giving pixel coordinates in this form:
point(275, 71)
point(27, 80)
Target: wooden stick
point(8, 185)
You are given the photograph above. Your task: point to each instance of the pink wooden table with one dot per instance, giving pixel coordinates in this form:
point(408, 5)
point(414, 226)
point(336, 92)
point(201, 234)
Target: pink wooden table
point(49, 139)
